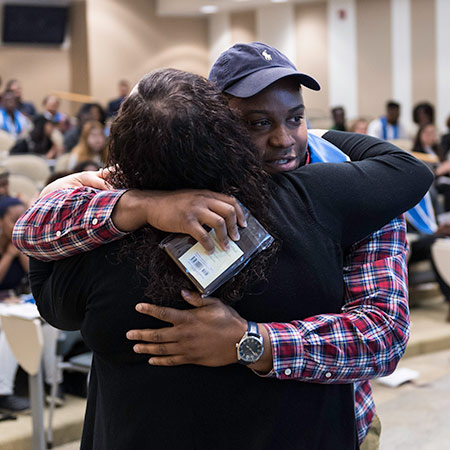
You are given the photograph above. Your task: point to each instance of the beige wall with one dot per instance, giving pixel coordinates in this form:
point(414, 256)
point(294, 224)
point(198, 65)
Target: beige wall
point(40, 70)
point(374, 56)
point(243, 27)
point(423, 47)
point(126, 40)
point(110, 40)
point(114, 39)
point(312, 51)
point(79, 51)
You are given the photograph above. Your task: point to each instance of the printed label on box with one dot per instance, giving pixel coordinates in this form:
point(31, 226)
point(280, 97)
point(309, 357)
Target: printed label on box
point(205, 267)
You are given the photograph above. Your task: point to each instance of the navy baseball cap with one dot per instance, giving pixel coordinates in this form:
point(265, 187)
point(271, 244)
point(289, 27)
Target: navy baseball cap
point(246, 69)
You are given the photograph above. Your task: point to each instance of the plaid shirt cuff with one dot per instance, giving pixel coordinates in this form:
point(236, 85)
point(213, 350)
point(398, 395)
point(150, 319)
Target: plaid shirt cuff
point(67, 222)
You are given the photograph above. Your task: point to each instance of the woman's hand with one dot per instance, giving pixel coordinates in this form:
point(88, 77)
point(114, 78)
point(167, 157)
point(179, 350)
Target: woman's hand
point(96, 180)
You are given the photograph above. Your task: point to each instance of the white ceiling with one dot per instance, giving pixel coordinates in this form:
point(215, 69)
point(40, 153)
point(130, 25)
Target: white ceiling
point(183, 8)
point(180, 8)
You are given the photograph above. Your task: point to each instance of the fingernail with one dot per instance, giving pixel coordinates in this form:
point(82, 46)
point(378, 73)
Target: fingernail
point(150, 361)
point(244, 224)
point(236, 235)
point(185, 293)
point(139, 307)
point(130, 335)
point(136, 349)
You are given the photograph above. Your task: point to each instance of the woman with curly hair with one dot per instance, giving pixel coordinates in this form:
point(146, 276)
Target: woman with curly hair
point(175, 131)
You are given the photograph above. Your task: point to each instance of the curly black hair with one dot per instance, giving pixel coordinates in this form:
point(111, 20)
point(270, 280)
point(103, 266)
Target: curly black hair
point(176, 131)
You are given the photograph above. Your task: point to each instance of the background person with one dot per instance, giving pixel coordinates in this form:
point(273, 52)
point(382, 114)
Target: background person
point(339, 122)
point(359, 126)
point(388, 127)
point(445, 142)
point(4, 182)
point(26, 108)
point(89, 111)
point(13, 269)
point(39, 141)
point(51, 104)
point(114, 105)
point(13, 275)
point(11, 119)
point(92, 145)
point(427, 141)
point(423, 114)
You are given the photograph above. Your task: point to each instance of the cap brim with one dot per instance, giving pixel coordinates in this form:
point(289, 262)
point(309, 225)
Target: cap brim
point(254, 83)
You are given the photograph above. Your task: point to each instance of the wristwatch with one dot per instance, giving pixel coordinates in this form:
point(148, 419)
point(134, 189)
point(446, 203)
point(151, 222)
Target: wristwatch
point(251, 347)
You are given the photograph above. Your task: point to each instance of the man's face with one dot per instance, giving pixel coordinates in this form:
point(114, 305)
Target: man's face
point(52, 104)
point(17, 89)
point(4, 185)
point(392, 115)
point(276, 123)
point(339, 116)
point(9, 102)
point(124, 89)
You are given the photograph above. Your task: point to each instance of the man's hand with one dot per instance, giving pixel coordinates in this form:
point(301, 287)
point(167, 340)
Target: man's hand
point(183, 211)
point(206, 335)
point(96, 180)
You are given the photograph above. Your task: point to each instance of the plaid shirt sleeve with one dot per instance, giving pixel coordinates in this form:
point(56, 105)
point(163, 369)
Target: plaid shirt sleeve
point(67, 222)
point(369, 337)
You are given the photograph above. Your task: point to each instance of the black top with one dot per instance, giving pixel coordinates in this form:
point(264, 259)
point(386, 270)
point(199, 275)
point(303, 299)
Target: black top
point(320, 211)
point(13, 276)
point(445, 144)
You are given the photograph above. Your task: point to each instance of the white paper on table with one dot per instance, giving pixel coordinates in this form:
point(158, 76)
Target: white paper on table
point(23, 310)
point(398, 377)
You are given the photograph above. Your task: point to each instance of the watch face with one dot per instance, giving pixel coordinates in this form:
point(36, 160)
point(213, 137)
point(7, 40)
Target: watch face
point(250, 349)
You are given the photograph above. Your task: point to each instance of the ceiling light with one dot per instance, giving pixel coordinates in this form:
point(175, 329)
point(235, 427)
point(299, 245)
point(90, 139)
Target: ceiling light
point(209, 9)
point(279, 1)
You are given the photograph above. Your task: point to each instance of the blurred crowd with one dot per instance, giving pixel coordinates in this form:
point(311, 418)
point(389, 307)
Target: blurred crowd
point(50, 133)
point(423, 139)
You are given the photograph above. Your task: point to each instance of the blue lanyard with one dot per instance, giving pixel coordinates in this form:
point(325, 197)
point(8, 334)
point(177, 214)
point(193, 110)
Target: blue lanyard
point(15, 122)
point(384, 125)
point(421, 217)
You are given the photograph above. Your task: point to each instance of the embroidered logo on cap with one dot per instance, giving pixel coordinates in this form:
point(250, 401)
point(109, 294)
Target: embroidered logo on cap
point(267, 56)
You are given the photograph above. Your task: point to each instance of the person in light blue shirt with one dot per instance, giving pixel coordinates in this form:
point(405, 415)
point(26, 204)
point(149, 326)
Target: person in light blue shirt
point(11, 119)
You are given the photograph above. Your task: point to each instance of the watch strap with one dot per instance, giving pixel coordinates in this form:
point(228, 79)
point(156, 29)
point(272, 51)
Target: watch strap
point(252, 329)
